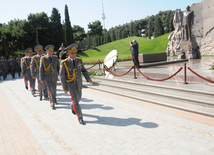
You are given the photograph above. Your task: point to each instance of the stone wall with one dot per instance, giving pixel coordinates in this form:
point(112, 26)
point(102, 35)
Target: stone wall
point(203, 27)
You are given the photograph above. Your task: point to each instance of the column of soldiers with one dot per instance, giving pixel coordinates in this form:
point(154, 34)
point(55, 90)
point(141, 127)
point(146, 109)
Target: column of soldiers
point(9, 66)
point(45, 68)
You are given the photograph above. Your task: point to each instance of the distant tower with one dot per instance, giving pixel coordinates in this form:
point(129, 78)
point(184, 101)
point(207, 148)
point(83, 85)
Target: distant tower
point(103, 15)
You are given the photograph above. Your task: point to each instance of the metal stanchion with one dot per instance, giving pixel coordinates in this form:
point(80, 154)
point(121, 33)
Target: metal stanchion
point(99, 64)
point(113, 65)
point(135, 77)
point(185, 74)
point(104, 69)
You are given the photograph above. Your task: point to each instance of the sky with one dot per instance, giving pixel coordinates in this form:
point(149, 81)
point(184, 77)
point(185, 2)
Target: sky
point(83, 12)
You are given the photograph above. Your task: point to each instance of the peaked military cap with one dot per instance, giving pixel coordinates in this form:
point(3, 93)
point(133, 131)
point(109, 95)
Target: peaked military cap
point(29, 49)
point(49, 48)
point(38, 48)
point(72, 48)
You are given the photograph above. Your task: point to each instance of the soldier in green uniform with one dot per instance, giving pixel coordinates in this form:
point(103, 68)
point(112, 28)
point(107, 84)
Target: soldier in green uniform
point(34, 68)
point(49, 67)
point(12, 66)
point(70, 74)
point(25, 68)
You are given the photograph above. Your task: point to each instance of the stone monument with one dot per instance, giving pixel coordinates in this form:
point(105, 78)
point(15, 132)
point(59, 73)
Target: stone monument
point(194, 31)
point(176, 36)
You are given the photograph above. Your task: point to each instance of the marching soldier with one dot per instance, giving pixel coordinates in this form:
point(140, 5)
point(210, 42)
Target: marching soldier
point(25, 77)
point(70, 74)
point(12, 66)
point(34, 68)
point(4, 64)
point(49, 67)
point(25, 68)
point(18, 64)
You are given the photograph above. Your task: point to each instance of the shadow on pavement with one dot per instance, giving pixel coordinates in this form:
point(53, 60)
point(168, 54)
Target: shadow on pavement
point(95, 106)
point(114, 121)
point(86, 100)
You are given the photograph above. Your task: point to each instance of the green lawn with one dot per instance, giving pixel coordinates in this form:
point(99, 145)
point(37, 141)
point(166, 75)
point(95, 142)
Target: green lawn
point(122, 46)
point(156, 45)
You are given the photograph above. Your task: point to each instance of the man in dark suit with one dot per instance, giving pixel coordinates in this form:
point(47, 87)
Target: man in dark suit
point(134, 52)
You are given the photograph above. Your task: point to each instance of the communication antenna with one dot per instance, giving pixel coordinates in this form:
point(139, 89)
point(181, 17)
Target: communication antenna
point(103, 15)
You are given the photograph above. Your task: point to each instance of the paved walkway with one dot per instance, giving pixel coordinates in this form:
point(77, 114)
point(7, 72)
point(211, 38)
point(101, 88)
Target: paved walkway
point(15, 137)
point(114, 125)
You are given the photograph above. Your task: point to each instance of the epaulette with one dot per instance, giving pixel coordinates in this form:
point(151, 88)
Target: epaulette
point(78, 58)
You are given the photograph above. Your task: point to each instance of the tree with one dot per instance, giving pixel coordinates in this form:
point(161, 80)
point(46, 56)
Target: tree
point(69, 39)
point(89, 43)
point(167, 22)
point(150, 28)
point(136, 28)
point(131, 29)
point(56, 36)
point(158, 26)
point(6, 39)
point(38, 29)
point(108, 38)
point(12, 36)
point(95, 28)
point(79, 33)
point(170, 24)
point(112, 34)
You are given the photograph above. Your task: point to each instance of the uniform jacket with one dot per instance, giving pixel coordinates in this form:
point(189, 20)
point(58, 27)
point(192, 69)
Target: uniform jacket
point(25, 65)
point(70, 75)
point(35, 65)
point(48, 70)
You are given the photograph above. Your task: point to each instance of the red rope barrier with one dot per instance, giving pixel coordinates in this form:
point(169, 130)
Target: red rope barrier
point(200, 76)
point(159, 79)
point(92, 66)
point(117, 74)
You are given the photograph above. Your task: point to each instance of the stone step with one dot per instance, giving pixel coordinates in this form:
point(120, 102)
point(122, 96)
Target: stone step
point(191, 100)
point(180, 93)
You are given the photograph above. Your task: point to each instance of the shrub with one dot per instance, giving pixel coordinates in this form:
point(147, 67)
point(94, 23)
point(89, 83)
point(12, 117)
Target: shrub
point(95, 73)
